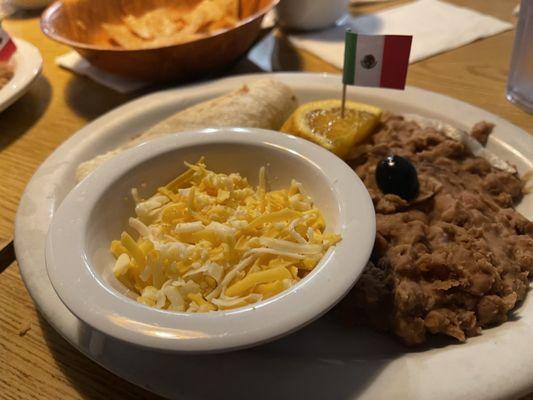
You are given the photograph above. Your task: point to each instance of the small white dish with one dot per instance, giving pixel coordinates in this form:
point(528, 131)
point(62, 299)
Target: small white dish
point(96, 211)
point(310, 15)
point(28, 64)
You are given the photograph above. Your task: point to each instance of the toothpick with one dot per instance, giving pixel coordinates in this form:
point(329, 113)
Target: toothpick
point(343, 107)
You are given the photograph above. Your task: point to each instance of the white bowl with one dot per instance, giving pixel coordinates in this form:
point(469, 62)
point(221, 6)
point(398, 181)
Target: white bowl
point(97, 210)
point(309, 15)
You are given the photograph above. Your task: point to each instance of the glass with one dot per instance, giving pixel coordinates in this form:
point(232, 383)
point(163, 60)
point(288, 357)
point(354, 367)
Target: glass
point(520, 82)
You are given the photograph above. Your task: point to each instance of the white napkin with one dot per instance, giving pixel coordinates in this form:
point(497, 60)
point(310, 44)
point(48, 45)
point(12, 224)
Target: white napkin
point(436, 26)
point(74, 62)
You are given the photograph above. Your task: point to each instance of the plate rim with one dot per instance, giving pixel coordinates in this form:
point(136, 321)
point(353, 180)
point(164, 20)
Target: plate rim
point(314, 81)
point(31, 60)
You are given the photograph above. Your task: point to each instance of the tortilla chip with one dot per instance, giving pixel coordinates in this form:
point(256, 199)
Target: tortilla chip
point(136, 26)
point(230, 7)
point(122, 36)
point(224, 23)
point(265, 103)
point(155, 23)
point(165, 25)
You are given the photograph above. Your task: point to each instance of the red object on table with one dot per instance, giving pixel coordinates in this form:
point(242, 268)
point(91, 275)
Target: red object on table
point(7, 46)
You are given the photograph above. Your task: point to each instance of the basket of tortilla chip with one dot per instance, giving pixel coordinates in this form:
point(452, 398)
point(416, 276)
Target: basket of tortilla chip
point(157, 40)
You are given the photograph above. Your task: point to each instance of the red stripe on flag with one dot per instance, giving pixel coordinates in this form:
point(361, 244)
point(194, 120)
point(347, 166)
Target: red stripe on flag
point(396, 50)
point(7, 51)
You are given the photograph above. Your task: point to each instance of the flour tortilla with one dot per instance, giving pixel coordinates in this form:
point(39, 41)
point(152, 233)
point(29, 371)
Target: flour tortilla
point(265, 103)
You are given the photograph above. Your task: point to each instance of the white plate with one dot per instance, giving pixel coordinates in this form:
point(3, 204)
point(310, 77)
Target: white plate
point(28, 64)
point(323, 360)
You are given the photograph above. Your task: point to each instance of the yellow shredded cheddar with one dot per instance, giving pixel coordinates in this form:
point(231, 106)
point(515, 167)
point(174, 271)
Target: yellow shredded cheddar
point(208, 241)
point(270, 275)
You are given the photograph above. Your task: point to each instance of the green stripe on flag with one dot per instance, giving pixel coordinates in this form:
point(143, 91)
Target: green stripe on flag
point(350, 47)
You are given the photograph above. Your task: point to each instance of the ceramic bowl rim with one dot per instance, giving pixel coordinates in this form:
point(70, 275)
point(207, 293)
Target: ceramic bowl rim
point(67, 261)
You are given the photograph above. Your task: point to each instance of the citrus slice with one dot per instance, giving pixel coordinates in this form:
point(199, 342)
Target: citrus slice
point(321, 122)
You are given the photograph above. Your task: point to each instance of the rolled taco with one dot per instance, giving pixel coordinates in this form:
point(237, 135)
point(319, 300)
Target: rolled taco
point(265, 103)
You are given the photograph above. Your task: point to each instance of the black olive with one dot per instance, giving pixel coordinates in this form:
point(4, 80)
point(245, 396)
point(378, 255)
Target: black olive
point(397, 175)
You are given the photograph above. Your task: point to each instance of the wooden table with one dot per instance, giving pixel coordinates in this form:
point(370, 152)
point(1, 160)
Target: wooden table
point(35, 361)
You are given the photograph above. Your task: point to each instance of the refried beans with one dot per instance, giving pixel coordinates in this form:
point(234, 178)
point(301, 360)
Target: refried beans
point(455, 259)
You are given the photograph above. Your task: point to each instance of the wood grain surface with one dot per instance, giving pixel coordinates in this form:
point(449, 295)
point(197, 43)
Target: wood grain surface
point(35, 361)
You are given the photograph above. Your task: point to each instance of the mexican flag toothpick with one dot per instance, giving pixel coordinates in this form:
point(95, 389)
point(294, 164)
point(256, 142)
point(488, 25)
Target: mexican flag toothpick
point(375, 61)
point(7, 46)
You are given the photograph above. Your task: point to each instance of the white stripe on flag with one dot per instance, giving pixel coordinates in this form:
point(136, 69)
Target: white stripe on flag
point(368, 46)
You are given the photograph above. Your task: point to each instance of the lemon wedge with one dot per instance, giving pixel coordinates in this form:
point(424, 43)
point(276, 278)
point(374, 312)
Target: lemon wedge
point(321, 122)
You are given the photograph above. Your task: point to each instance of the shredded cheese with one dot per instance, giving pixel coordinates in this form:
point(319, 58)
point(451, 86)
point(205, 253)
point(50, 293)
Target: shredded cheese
point(208, 242)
